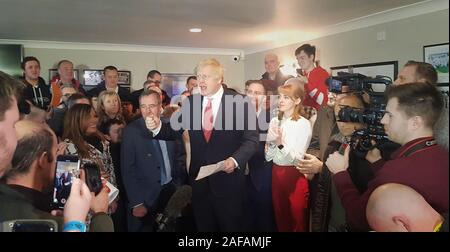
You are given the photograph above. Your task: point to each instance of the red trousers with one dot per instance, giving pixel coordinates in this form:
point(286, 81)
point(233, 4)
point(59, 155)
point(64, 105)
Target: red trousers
point(290, 195)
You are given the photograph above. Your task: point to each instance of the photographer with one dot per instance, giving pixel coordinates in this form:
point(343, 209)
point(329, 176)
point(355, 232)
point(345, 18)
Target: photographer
point(10, 90)
point(32, 175)
point(327, 213)
point(411, 112)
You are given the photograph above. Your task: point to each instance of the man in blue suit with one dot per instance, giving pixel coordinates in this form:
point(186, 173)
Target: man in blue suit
point(222, 127)
point(147, 166)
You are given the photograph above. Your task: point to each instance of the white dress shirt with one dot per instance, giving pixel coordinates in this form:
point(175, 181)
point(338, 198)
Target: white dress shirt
point(296, 138)
point(215, 103)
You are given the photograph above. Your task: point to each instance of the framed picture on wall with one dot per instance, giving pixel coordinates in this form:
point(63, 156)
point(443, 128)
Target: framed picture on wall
point(92, 77)
point(437, 55)
point(174, 83)
point(124, 78)
point(388, 69)
point(53, 72)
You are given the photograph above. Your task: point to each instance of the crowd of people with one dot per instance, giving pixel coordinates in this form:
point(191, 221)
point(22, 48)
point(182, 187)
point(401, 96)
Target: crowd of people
point(284, 158)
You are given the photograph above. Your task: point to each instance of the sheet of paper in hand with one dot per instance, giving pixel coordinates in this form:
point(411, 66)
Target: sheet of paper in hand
point(207, 170)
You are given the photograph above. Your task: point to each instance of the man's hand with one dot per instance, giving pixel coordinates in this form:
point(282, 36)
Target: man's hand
point(152, 122)
point(140, 211)
point(229, 165)
point(310, 164)
point(99, 203)
point(77, 205)
point(336, 162)
point(373, 155)
point(113, 206)
point(62, 146)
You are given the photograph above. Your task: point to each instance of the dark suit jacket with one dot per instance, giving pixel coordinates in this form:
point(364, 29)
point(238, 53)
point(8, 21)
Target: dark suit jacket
point(123, 93)
point(260, 170)
point(141, 165)
point(240, 144)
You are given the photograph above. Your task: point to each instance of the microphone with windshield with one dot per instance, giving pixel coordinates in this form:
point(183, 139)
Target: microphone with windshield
point(179, 200)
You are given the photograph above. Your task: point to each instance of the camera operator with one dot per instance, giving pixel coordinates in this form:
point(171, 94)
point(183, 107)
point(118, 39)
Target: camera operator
point(422, 72)
point(412, 110)
point(32, 174)
point(327, 213)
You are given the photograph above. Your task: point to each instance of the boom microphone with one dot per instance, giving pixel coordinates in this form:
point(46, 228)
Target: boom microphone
point(179, 200)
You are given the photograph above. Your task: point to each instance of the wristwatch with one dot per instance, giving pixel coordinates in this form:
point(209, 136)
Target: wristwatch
point(280, 146)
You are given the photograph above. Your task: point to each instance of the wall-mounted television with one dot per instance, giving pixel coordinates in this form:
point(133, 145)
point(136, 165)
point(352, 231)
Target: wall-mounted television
point(10, 58)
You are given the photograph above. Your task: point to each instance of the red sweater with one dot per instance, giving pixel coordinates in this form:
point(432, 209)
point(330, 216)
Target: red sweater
point(425, 170)
point(316, 91)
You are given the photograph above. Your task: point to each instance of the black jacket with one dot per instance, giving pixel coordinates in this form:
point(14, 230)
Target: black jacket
point(279, 80)
point(123, 93)
point(320, 187)
point(16, 205)
point(40, 95)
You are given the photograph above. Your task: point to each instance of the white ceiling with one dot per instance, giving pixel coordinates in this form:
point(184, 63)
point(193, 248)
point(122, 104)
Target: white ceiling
point(232, 24)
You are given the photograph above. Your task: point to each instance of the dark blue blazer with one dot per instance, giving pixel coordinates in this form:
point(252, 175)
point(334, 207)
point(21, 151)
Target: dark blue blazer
point(141, 164)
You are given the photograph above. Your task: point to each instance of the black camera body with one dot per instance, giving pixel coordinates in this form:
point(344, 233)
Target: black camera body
point(361, 140)
point(355, 82)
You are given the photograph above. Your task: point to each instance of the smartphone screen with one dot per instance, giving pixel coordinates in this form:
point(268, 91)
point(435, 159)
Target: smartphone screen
point(67, 168)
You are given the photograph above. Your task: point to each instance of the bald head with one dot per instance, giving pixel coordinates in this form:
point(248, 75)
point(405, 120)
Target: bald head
point(26, 128)
point(36, 115)
point(34, 141)
point(271, 63)
point(399, 208)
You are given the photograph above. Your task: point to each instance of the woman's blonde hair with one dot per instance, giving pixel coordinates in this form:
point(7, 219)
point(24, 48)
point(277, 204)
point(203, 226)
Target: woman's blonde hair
point(294, 91)
point(102, 116)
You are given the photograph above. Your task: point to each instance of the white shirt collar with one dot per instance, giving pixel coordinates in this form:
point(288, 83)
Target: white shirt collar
point(115, 90)
point(217, 95)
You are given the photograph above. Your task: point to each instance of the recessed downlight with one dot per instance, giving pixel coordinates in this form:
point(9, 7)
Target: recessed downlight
point(195, 30)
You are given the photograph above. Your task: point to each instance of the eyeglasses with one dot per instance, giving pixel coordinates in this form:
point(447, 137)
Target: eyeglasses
point(150, 106)
point(203, 77)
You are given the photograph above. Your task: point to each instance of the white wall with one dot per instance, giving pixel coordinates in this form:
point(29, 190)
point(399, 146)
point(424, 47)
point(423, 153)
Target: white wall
point(139, 63)
point(404, 41)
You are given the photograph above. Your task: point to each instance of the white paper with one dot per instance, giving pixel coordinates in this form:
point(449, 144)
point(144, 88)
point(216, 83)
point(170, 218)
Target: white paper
point(208, 170)
point(113, 193)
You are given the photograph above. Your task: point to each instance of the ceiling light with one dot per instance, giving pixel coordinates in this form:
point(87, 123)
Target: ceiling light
point(195, 30)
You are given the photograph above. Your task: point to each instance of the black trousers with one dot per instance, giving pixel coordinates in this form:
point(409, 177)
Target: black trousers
point(147, 223)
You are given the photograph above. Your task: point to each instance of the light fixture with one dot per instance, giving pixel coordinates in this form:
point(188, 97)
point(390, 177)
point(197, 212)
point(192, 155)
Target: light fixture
point(195, 30)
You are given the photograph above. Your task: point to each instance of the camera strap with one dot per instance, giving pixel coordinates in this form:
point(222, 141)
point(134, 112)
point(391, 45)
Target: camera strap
point(424, 144)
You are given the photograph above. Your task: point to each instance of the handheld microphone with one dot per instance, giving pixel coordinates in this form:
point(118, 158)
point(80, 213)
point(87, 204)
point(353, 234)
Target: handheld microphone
point(179, 200)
